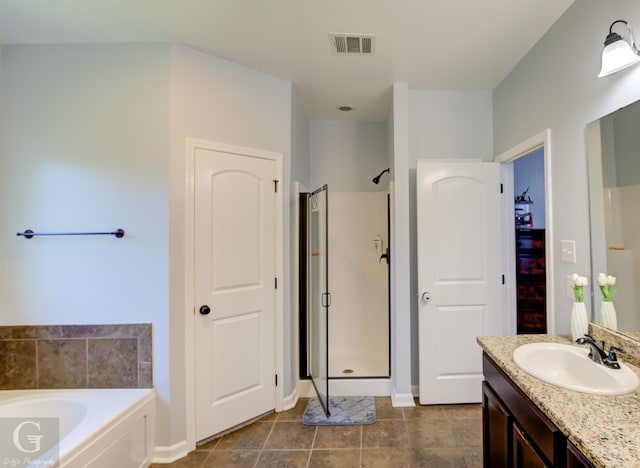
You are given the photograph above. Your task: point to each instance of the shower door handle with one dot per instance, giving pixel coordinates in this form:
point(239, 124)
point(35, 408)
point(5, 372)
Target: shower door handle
point(326, 299)
point(426, 297)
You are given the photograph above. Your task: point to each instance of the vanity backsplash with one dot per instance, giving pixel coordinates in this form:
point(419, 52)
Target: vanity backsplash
point(612, 338)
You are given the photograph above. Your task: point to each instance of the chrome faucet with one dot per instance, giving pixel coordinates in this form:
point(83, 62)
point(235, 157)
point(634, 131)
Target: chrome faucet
point(597, 353)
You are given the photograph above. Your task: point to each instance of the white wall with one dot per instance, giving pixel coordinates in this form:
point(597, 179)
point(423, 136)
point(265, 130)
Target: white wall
point(300, 172)
point(300, 143)
point(403, 358)
point(93, 138)
point(556, 86)
point(450, 125)
point(216, 100)
point(347, 155)
point(85, 147)
point(442, 125)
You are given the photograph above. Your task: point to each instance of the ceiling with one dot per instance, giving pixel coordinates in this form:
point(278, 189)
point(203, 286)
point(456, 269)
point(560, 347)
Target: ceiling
point(428, 44)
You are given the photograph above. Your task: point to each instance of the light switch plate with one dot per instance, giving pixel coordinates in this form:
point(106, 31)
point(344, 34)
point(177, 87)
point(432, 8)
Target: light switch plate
point(568, 251)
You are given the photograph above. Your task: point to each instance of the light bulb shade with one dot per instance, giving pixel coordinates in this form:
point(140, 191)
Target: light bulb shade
point(618, 53)
point(617, 56)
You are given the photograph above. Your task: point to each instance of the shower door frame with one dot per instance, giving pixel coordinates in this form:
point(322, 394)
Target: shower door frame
point(318, 302)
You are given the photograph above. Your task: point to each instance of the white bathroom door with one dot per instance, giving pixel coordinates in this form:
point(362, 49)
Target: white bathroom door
point(235, 288)
point(459, 275)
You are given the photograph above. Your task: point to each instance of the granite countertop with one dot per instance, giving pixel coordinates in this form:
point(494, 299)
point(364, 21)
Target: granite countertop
point(606, 429)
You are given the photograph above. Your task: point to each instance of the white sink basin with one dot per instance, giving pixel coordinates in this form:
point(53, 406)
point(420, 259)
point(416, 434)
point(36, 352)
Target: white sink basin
point(569, 366)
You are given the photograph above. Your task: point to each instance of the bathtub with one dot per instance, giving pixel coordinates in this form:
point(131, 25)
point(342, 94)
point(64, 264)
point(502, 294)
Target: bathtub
point(97, 427)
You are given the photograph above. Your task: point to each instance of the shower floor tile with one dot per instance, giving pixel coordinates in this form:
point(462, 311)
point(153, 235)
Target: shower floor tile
point(439, 435)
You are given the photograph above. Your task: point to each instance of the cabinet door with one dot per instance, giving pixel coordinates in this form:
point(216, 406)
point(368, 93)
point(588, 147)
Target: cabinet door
point(524, 454)
point(575, 459)
point(496, 430)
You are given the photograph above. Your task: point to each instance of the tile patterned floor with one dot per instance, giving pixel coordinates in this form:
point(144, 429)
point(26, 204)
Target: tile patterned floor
point(423, 436)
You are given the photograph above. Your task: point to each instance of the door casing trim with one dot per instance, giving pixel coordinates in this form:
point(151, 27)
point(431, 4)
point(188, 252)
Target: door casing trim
point(191, 144)
point(540, 140)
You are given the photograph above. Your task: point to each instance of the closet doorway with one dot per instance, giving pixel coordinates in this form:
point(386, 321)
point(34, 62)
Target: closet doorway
point(530, 221)
point(536, 248)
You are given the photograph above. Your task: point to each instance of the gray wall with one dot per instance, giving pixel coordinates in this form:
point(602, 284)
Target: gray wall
point(556, 86)
point(626, 125)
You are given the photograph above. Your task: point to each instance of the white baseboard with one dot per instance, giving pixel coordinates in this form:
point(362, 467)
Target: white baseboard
point(169, 454)
point(357, 387)
point(402, 400)
point(290, 401)
point(304, 389)
point(347, 387)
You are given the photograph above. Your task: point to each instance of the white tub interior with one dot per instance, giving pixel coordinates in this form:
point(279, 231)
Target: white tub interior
point(98, 427)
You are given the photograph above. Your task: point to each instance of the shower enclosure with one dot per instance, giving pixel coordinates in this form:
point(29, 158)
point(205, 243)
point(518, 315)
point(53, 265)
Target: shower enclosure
point(349, 339)
point(358, 268)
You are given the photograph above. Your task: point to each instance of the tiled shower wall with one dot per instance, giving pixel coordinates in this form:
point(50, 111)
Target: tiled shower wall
point(75, 356)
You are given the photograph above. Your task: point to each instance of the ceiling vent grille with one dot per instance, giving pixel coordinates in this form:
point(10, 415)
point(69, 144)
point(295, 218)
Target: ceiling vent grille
point(349, 44)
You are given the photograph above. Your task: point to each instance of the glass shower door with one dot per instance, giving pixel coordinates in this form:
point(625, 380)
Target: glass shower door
point(319, 297)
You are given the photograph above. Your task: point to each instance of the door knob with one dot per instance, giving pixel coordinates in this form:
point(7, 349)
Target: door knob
point(426, 297)
point(205, 309)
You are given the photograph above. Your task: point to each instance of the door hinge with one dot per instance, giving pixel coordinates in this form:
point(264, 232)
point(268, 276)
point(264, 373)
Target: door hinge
point(276, 282)
point(275, 185)
point(276, 380)
point(501, 188)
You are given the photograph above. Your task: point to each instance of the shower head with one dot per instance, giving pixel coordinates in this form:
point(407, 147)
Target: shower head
point(376, 179)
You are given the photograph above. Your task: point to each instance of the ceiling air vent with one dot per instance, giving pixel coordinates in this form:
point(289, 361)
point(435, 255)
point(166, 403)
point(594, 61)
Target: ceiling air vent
point(348, 44)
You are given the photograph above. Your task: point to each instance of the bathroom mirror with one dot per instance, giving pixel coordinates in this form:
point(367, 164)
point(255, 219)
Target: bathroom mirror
point(613, 152)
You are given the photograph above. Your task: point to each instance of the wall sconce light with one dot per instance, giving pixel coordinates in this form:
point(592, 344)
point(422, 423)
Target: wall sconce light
point(618, 53)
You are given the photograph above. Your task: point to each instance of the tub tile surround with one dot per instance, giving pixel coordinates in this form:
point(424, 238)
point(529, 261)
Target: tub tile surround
point(604, 428)
point(75, 356)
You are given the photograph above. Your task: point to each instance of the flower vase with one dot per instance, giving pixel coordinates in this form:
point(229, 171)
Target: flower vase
point(579, 321)
point(608, 315)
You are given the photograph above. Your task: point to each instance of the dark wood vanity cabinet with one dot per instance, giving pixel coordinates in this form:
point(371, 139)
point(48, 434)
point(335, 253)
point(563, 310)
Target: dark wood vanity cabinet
point(515, 433)
point(575, 459)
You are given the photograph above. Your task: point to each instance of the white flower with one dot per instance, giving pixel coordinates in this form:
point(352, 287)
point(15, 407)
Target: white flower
point(577, 280)
point(606, 280)
point(607, 283)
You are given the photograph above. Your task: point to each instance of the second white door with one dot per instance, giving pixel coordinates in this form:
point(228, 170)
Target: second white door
point(459, 275)
point(235, 211)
